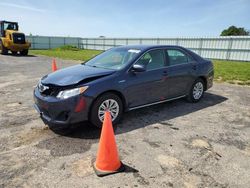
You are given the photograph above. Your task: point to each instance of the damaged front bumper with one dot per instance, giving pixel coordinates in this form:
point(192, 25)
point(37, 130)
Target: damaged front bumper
point(61, 113)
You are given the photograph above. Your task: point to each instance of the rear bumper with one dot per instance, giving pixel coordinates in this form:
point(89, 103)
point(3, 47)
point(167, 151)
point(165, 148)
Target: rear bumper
point(62, 113)
point(210, 79)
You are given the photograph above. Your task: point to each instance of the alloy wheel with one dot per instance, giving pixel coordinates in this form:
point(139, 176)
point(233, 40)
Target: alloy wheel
point(108, 105)
point(198, 90)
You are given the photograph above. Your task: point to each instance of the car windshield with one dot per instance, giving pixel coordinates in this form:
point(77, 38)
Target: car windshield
point(116, 58)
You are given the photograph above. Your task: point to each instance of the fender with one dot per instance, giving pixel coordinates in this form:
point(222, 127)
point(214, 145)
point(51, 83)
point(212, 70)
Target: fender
point(5, 42)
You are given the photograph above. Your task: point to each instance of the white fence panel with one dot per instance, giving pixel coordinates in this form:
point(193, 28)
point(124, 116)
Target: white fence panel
point(150, 41)
point(169, 41)
point(227, 48)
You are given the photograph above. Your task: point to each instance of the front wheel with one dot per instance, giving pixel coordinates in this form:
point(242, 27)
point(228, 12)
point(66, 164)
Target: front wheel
point(196, 91)
point(24, 52)
point(14, 53)
point(110, 102)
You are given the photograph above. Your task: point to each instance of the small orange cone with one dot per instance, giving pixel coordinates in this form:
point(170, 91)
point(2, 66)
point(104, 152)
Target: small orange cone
point(54, 67)
point(107, 161)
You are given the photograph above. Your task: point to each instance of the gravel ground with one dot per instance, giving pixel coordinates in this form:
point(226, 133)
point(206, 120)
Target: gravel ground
point(176, 144)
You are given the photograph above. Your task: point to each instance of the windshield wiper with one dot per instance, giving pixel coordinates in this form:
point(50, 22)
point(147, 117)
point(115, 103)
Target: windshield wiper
point(100, 67)
point(90, 65)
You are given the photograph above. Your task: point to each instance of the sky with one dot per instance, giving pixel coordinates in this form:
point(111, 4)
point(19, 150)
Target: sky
point(126, 18)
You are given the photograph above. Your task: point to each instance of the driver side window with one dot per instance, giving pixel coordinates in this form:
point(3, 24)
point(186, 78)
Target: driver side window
point(152, 60)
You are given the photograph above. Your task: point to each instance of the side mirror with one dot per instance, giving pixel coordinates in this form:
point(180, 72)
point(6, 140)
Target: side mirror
point(138, 68)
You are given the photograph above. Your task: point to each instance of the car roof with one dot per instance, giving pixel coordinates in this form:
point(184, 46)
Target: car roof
point(143, 47)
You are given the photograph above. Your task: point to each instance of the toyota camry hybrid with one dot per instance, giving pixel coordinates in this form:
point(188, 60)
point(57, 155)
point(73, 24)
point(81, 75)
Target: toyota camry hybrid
point(119, 80)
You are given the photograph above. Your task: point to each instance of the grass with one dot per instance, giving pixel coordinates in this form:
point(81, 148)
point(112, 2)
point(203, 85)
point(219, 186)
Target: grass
point(232, 72)
point(67, 52)
point(225, 71)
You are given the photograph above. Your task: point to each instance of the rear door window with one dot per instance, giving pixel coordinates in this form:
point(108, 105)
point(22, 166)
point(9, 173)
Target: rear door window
point(177, 57)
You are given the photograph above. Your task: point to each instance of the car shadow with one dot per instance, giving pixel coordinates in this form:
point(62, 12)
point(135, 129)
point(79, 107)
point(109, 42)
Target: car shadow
point(164, 112)
point(143, 117)
point(83, 130)
point(30, 56)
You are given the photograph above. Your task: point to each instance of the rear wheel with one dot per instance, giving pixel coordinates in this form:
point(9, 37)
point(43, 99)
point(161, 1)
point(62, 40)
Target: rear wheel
point(110, 102)
point(24, 52)
point(196, 91)
point(4, 51)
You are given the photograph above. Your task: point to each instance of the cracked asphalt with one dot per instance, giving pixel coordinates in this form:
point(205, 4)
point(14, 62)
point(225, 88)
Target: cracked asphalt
point(176, 144)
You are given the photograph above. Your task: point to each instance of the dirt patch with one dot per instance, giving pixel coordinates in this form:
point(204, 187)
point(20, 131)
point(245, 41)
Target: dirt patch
point(24, 137)
point(152, 143)
point(200, 143)
point(15, 104)
point(15, 168)
point(32, 136)
point(140, 179)
point(192, 181)
point(168, 161)
point(83, 167)
point(246, 150)
point(63, 146)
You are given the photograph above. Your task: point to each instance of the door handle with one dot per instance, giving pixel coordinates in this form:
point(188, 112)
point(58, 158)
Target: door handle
point(165, 73)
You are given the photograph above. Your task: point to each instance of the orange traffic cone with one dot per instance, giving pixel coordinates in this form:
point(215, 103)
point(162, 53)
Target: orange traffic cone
point(107, 161)
point(54, 67)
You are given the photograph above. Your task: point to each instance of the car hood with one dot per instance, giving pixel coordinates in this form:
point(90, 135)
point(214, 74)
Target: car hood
point(75, 74)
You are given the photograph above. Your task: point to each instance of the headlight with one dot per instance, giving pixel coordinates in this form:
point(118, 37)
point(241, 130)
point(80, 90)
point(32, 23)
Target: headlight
point(38, 83)
point(71, 92)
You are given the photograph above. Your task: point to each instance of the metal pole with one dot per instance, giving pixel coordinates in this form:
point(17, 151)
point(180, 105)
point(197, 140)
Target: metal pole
point(229, 49)
point(158, 41)
point(177, 41)
point(33, 42)
point(49, 44)
point(103, 44)
point(78, 43)
point(200, 46)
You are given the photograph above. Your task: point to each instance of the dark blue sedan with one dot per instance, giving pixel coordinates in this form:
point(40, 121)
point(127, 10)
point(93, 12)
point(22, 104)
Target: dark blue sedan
point(121, 79)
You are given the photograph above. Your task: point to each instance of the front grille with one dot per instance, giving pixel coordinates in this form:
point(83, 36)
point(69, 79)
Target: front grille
point(18, 38)
point(48, 90)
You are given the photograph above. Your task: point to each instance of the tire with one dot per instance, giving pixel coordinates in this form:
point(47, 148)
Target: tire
point(14, 53)
point(114, 101)
point(4, 51)
point(196, 91)
point(24, 52)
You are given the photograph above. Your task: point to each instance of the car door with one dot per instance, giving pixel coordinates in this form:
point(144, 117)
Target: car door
point(181, 69)
point(147, 87)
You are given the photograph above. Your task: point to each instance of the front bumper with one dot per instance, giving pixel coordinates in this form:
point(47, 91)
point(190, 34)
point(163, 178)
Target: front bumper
point(18, 47)
point(58, 112)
